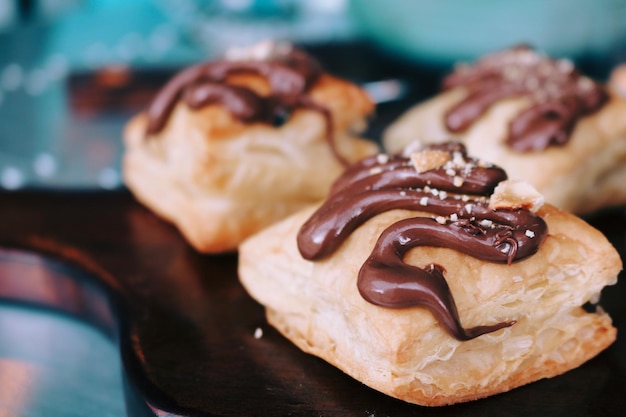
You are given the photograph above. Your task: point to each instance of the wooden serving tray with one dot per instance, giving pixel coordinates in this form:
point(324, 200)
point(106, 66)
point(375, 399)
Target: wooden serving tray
point(186, 328)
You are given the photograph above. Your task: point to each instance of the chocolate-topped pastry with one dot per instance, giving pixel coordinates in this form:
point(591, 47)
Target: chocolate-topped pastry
point(231, 145)
point(536, 116)
point(559, 95)
point(434, 278)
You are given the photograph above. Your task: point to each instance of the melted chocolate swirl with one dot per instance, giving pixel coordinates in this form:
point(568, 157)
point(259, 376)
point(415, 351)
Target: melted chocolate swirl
point(456, 194)
point(290, 74)
point(559, 96)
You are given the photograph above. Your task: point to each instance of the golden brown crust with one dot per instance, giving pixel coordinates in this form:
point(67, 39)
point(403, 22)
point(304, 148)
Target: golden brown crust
point(584, 175)
point(219, 179)
point(405, 353)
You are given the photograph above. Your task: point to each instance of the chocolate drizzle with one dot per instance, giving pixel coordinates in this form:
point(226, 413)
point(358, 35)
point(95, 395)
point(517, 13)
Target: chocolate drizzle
point(462, 220)
point(559, 96)
point(290, 74)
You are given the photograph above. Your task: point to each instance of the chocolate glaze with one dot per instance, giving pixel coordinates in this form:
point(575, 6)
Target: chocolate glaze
point(290, 74)
point(559, 96)
point(461, 220)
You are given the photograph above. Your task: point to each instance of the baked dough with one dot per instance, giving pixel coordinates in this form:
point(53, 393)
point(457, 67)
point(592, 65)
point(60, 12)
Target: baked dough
point(220, 179)
point(405, 352)
point(585, 174)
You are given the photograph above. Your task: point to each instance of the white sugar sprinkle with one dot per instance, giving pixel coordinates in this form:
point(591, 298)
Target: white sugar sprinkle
point(529, 233)
point(382, 158)
point(424, 201)
point(440, 219)
point(486, 223)
point(457, 159)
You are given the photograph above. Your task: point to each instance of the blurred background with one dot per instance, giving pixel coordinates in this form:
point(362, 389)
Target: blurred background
point(72, 72)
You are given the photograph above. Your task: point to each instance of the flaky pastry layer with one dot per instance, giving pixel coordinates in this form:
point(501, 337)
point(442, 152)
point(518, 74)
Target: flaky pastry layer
point(220, 180)
point(405, 353)
point(585, 174)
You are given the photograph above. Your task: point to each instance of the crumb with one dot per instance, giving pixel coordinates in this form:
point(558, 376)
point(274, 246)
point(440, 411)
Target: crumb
point(258, 333)
point(514, 194)
point(427, 160)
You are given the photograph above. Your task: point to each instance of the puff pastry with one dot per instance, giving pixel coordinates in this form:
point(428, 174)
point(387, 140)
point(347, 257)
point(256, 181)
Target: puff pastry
point(230, 146)
point(538, 118)
point(422, 279)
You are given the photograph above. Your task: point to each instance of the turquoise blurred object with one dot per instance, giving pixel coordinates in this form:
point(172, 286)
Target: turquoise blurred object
point(54, 365)
point(440, 33)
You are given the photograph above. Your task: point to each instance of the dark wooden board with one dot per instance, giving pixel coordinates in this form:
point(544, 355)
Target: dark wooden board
point(186, 328)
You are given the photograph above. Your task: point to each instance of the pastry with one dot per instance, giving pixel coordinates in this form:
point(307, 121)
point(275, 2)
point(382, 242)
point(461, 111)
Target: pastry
point(435, 279)
point(537, 117)
point(228, 147)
